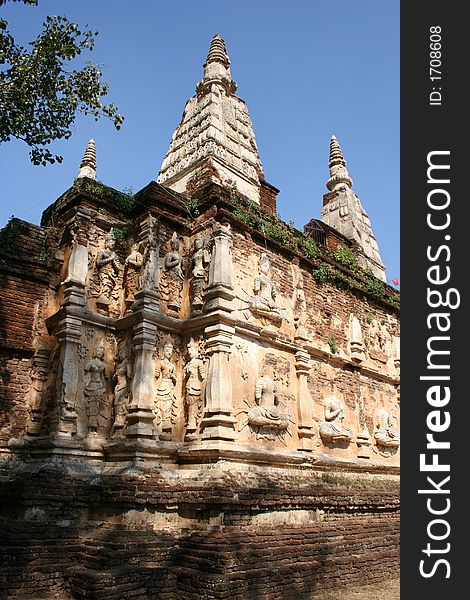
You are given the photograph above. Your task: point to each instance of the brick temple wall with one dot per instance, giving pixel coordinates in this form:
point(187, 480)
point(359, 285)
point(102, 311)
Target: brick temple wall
point(77, 524)
point(152, 535)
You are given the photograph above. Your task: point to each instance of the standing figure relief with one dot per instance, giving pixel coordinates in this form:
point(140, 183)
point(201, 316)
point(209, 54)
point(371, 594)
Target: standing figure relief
point(165, 400)
point(95, 390)
point(173, 276)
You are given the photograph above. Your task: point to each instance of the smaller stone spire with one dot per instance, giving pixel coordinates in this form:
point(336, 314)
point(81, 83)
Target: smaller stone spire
point(337, 165)
point(343, 210)
point(88, 164)
point(217, 68)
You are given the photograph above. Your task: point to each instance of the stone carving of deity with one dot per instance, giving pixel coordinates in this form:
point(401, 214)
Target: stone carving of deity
point(173, 274)
point(108, 267)
point(122, 377)
point(165, 401)
point(37, 390)
point(332, 429)
point(300, 303)
point(132, 267)
point(94, 390)
point(194, 374)
point(266, 413)
point(385, 436)
point(264, 303)
point(199, 261)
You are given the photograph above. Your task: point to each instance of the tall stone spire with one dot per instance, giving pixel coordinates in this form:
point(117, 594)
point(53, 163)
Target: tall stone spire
point(343, 210)
point(88, 164)
point(215, 140)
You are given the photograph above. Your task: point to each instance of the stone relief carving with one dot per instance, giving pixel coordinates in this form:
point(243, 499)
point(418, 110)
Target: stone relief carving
point(356, 340)
point(299, 303)
point(149, 273)
point(199, 263)
point(378, 341)
point(77, 268)
point(95, 391)
point(267, 418)
point(132, 268)
point(36, 393)
point(165, 399)
point(386, 438)
point(363, 440)
point(108, 267)
point(172, 279)
point(195, 373)
point(264, 304)
point(122, 381)
point(332, 430)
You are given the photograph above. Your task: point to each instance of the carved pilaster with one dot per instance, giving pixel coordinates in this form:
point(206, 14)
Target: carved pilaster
point(219, 294)
point(140, 415)
point(218, 422)
point(69, 336)
point(396, 354)
point(149, 274)
point(304, 401)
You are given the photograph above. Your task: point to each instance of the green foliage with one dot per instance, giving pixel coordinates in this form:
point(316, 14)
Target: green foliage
point(323, 274)
point(375, 287)
point(124, 203)
point(32, 2)
point(192, 206)
point(274, 228)
point(9, 237)
point(41, 95)
point(308, 247)
point(346, 257)
point(120, 236)
point(332, 345)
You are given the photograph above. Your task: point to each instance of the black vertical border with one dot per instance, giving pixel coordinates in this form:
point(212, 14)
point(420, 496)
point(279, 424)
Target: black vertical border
point(426, 128)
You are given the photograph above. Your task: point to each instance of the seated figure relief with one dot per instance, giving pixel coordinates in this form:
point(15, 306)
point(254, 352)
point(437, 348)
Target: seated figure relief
point(267, 413)
point(264, 303)
point(386, 438)
point(332, 429)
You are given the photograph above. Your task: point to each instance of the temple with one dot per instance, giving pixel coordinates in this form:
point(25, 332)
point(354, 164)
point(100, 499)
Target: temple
point(197, 399)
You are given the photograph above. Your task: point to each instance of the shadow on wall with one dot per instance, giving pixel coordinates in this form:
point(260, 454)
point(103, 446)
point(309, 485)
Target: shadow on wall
point(148, 536)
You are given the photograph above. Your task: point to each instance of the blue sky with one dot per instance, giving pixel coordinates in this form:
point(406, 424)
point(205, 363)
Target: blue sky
point(306, 69)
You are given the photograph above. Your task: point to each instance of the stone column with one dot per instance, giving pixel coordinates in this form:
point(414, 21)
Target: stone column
point(67, 374)
point(304, 402)
point(396, 354)
point(219, 293)
point(218, 422)
point(140, 415)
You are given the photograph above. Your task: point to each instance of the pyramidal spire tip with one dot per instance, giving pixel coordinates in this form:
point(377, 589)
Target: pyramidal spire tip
point(88, 164)
point(337, 164)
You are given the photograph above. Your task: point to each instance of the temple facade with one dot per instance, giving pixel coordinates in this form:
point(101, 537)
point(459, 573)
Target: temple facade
point(197, 399)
